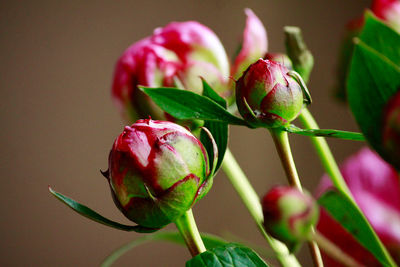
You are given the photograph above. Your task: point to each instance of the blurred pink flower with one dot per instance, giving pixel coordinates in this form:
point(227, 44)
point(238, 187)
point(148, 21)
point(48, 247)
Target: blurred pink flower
point(389, 11)
point(175, 56)
point(375, 186)
point(254, 44)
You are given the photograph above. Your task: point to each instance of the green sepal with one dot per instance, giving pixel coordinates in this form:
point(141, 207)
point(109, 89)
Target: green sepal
point(91, 214)
point(219, 130)
point(325, 133)
point(228, 255)
point(183, 104)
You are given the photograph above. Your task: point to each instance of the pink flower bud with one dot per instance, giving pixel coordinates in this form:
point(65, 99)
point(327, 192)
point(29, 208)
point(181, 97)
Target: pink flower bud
point(267, 96)
point(391, 130)
point(254, 45)
point(389, 11)
point(289, 215)
point(174, 56)
point(157, 171)
point(375, 186)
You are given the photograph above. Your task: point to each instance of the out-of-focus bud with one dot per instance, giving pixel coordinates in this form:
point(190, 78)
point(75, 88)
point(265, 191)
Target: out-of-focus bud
point(391, 130)
point(302, 59)
point(157, 171)
point(267, 96)
point(254, 44)
point(289, 215)
point(389, 11)
point(375, 186)
point(174, 56)
point(281, 58)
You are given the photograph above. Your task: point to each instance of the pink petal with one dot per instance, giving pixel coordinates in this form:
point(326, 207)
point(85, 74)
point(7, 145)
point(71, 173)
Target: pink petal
point(254, 45)
point(375, 186)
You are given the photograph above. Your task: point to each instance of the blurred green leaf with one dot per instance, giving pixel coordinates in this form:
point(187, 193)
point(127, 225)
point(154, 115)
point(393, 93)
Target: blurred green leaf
point(219, 130)
point(91, 214)
point(210, 241)
point(228, 255)
point(382, 38)
point(373, 79)
point(325, 133)
point(351, 218)
point(183, 104)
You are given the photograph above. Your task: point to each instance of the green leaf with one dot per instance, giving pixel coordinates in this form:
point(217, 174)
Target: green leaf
point(373, 79)
point(183, 105)
point(219, 130)
point(210, 241)
point(380, 37)
point(232, 255)
point(350, 217)
point(325, 133)
point(91, 214)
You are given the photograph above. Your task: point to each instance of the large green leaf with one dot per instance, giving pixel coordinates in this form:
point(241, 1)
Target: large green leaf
point(325, 133)
point(351, 218)
point(382, 38)
point(219, 130)
point(228, 255)
point(373, 79)
point(183, 104)
point(91, 214)
point(210, 241)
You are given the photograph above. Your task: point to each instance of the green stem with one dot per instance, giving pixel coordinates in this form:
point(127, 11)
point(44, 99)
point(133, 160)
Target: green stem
point(334, 251)
point(331, 167)
point(250, 199)
point(188, 229)
point(325, 154)
point(282, 145)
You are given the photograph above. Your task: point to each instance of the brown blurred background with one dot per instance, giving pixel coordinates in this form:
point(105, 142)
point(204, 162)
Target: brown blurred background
point(58, 122)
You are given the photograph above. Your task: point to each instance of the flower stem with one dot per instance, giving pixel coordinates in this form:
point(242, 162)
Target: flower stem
point(325, 154)
point(332, 250)
point(331, 167)
point(250, 199)
point(282, 145)
point(188, 229)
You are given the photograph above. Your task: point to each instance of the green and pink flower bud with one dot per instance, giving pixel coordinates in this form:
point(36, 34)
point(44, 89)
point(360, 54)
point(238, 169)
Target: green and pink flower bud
point(391, 130)
point(289, 215)
point(267, 96)
point(254, 44)
point(174, 56)
point(157, 171)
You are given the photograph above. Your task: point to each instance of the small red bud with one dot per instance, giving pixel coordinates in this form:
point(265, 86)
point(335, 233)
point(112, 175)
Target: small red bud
point(289, 215)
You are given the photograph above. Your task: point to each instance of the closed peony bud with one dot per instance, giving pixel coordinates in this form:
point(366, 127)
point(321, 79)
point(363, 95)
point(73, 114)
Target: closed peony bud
point(174, 56)
point(289, 215)
point(157, 171)
point(267, 96)
point(391, 130)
